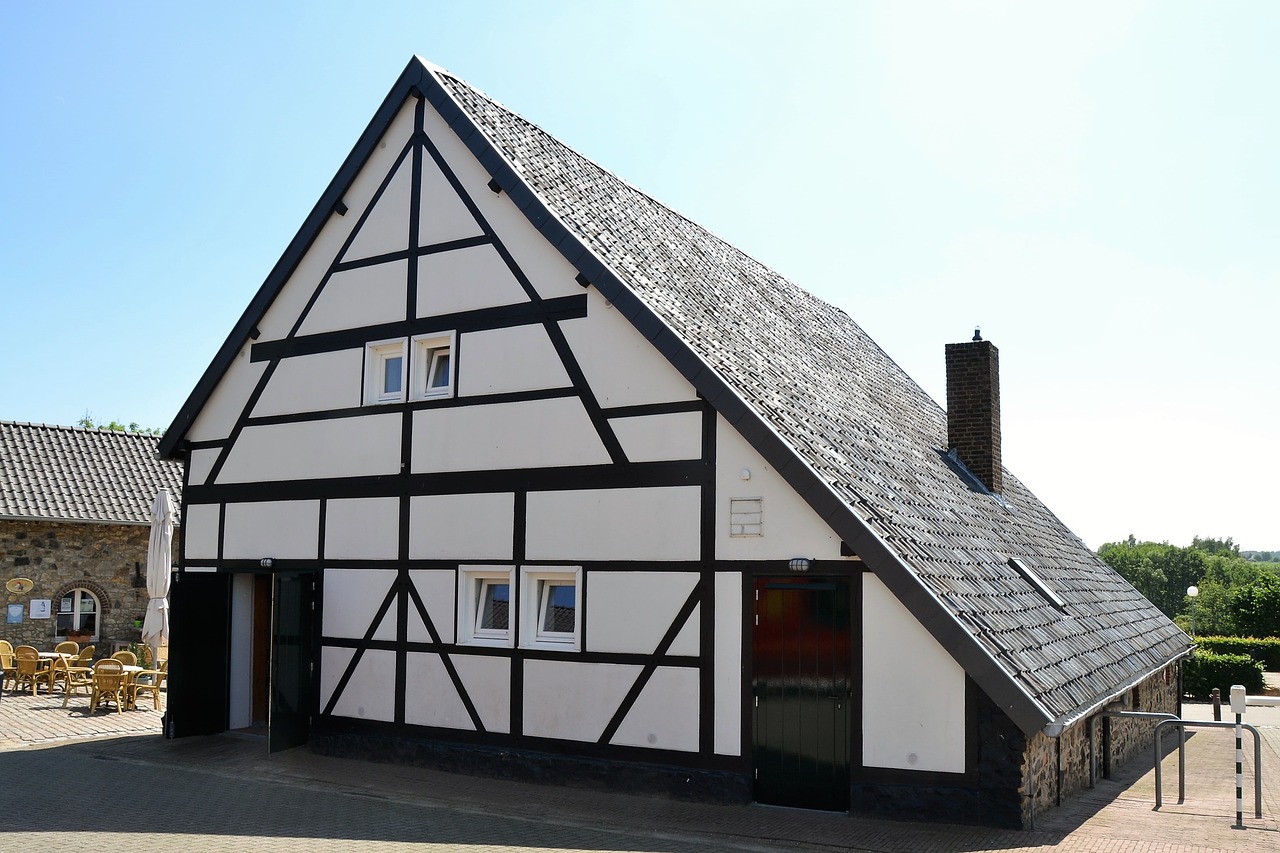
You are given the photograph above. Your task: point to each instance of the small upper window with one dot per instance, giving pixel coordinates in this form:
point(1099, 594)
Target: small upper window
point(551, 608)
point(384, 372)
point(432, 366)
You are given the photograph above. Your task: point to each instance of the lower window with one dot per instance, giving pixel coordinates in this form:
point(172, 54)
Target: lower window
point(78, 616)
point(484, 605)
point(551, 607)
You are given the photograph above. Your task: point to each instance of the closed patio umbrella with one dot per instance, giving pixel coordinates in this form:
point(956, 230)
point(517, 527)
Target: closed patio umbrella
point(155, 628)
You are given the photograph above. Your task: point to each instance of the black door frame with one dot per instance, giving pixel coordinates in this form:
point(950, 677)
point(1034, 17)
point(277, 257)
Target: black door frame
point(847, 573)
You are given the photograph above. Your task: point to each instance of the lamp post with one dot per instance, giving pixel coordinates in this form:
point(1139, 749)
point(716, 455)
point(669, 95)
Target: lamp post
point(1192, 592)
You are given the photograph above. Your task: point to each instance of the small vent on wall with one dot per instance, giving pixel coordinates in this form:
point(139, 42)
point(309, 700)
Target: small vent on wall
point(1037, 584)
point(746, 516)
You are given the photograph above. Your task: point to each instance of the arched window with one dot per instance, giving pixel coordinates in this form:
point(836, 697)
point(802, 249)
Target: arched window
point(78, 612)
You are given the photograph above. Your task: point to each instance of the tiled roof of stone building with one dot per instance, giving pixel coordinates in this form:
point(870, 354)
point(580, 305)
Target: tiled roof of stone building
point(60, 473)
point(849, 430)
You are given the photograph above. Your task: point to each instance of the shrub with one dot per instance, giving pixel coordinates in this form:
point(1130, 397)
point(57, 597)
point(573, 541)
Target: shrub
point(1206, 670)
point(1265, 650)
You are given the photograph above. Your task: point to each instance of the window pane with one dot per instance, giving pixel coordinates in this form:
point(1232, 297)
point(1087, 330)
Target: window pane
point(87, 603)
point(561, 604)
point(392, 370)
point(495, 606)
point(439, 369)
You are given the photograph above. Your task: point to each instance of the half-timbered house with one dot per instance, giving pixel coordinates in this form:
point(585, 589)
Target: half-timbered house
point(510, 468)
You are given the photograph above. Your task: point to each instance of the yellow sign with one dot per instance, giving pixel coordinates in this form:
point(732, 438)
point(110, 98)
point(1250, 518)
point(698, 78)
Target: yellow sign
point(20, 586)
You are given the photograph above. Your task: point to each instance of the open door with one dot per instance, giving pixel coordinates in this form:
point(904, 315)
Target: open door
point(199, 629)
point(801, 719)
point(292, 659)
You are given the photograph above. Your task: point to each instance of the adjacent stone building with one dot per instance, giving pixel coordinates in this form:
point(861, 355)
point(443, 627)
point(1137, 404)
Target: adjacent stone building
point(74, 524)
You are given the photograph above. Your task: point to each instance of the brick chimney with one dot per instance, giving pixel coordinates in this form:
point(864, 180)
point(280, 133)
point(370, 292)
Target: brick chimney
point(973, 409)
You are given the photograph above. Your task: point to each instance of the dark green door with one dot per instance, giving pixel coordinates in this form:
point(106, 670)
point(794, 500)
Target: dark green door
point(801, 724)
point(199, 634)
point(292, 654)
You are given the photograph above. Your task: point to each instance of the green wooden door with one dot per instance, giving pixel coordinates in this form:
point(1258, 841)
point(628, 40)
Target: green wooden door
point(801, 683)
point(292, 656)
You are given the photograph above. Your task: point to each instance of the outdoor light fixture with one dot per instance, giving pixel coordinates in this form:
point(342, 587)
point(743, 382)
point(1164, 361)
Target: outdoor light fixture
point(266, 562)
point(800, 564)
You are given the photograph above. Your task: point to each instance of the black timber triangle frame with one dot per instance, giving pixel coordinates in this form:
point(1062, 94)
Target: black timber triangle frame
point(423, 81)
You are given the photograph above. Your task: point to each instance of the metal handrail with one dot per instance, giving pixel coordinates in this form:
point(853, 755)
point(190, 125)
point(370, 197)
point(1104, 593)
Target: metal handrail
point(1182, 770)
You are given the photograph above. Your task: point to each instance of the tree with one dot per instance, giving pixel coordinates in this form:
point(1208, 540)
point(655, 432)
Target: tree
point(1160, 571)
point(1216, 546)
point(1255, 608)
point(115, 426)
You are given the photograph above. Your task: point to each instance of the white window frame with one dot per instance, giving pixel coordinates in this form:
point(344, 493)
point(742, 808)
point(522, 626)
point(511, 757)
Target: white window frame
point(426, 351)
point(535, 584)
point(472, 581)
point(376, 354)
point(77, 613)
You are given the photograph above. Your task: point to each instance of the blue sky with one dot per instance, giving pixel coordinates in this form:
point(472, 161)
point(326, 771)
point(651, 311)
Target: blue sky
point(1096, 185)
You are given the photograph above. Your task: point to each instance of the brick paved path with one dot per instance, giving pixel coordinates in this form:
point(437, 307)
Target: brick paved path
point(226, 793)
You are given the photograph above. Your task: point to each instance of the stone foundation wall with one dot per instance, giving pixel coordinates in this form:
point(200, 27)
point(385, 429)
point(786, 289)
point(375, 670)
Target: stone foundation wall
point(60, 557)
point(1056, 768)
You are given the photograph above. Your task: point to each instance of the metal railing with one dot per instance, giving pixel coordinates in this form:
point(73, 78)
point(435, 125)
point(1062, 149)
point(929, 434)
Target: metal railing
point(1182, 761)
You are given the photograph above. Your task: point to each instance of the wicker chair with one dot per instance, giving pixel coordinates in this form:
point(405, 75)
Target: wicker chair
point(126, 657)
point(148, 681)
point(85, 657)
point(8, 669)
point(108, 683)
point(67, 647)
point(31, 669)
point(73, 678)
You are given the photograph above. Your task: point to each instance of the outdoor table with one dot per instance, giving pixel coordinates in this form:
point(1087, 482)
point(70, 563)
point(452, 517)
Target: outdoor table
point(129, 673)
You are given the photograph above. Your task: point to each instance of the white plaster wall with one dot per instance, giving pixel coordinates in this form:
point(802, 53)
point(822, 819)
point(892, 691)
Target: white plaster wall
point(386, 229)
point(913, 698)
point(370, 694)
point(497, 361)
point(546, 268)
point(657, 438)
point(465, 280)
point(614, 524)
point(791, 527)
point(240, 654)
point(200, 531)
point(567, 700)
point(529, 434)
point(200, 463)
point(362, 529)
point(461, 527)
point(290, 301)
point(279, 529)
point(351, 600)
point(631, 611)
point(622, 367)
point(487, 680)
point(430, 696)
point(728, 664)
point(313, 383)
point(665, 714)
point(437, 588)
point(229, 398)
point(689, 640)
point(293, 297)
point(305, 450)
point(442, 216)
point(365, 296)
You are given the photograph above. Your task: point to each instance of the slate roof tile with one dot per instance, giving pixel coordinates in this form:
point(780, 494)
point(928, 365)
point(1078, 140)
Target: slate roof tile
point(874, 436)
point(74, 474)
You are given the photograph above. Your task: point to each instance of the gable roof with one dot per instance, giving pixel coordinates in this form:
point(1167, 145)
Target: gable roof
point(61, 473)
point(849, 430)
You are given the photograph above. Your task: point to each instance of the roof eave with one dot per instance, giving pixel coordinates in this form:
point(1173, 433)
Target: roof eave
point(1004, 689)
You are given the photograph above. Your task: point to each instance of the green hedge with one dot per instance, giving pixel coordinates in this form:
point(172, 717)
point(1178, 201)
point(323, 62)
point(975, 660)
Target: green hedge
point(1205, 670)
point(1265, 650)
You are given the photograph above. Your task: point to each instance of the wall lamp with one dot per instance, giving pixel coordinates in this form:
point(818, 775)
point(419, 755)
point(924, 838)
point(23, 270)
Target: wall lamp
point(267, 562)
point(800, 564)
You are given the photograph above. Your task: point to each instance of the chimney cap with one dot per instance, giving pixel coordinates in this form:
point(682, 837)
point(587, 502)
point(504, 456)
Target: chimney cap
point(977, 333)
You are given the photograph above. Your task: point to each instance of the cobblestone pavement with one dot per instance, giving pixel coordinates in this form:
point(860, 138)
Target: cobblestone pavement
point(133, 790)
